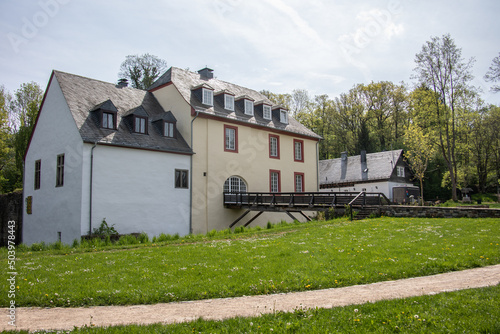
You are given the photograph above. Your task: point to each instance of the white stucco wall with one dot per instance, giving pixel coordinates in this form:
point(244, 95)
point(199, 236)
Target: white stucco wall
point(54, 209)
point(135, 190)
point(372, 187)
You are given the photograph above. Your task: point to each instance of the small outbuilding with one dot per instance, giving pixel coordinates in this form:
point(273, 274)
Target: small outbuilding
point(384, 172)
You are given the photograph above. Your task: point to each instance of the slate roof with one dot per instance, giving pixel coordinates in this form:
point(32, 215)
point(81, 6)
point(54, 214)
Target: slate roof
point(84, 96)
point(187, 81)
point(380, 166)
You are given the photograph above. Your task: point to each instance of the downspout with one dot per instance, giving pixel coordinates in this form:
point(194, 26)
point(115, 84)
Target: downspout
point(191, 178)
point(317, 166)
point(90, 195)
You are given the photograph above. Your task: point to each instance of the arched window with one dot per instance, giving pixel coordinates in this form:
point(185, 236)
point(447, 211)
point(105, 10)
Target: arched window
point(235, 184)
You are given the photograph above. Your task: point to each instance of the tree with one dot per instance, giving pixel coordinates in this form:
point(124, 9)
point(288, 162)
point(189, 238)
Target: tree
point(300, 101)
point(284, 100)
point(419, 151)
point(23, 110)
point(5, 149)
point(493, 74)
point(142, 71)
point(440, 67)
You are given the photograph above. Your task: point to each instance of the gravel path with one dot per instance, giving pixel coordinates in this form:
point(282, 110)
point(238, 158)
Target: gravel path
point(34, 318)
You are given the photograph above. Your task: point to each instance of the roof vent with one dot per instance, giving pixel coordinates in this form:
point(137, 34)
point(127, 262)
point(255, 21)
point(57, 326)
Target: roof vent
point(206, 73)
point(122, 83)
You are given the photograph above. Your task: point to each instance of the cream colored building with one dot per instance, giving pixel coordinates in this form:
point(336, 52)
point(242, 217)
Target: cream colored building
point(241, 142)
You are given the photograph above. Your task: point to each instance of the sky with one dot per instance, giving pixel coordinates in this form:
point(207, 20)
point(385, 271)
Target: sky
point(325, 47)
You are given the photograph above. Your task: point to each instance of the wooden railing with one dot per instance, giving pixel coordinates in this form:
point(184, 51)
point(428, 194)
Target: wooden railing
point(303, 200)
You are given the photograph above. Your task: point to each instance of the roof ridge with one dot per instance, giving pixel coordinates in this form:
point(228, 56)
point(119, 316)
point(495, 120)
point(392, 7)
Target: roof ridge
point(92, 79)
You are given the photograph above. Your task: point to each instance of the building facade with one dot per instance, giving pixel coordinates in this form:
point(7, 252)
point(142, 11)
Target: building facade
point(381, 172)
point(157, 161)
point(99, 151)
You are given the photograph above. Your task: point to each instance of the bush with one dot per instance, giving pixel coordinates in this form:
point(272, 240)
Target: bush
point(485, 197)
point(143, 238)
point(104, 230)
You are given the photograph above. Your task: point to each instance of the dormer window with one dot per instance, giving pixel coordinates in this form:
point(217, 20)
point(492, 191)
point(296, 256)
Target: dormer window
point(168, 130)
point(104, 115)
point(207, 96)
point(228, 102)
point(266, 112)
point(248, 107)
point(108, 120)
point(140, 124)
point(283, 116)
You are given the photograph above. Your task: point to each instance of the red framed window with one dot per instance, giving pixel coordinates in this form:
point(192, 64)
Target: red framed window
point(298, 150)
point(274, 181)
point(274, 146)
point(299, 182)
point(230, 138)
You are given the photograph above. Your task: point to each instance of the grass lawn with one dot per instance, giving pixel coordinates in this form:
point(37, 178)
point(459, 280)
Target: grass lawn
point(467, 311)
point(296, 258)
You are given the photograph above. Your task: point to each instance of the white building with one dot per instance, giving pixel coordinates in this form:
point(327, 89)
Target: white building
point(381, 172)
point(104, 151)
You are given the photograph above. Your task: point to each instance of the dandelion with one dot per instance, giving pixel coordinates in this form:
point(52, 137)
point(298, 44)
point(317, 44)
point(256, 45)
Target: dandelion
point(416, 316)
point(356, 310)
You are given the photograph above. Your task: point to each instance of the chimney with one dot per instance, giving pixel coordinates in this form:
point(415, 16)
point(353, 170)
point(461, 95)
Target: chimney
point(343, 165)
point(206, 73)
point(364, 166)
point(122, 83)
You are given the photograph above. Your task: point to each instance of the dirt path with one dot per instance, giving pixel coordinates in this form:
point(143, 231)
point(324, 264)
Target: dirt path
point(29, 318)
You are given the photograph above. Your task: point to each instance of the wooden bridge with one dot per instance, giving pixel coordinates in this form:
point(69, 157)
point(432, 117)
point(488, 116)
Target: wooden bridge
point(299, 202)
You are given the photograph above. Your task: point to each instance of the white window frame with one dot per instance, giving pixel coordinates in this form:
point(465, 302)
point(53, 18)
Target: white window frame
point(108, 120)
point(248, 107)
point(275, 181)
point(273, 146)
point(207, 96)
point(169, 129)
point(228, 102)
point(266, 112)
point(400, 171)
point(230, 136)
point(140, 124)
point(235, 184)
point(283, 116)
point(298, 150)
point(299, 182)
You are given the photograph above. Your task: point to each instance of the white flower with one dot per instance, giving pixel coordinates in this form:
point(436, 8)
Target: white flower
point(356, 310)
point(416, 316)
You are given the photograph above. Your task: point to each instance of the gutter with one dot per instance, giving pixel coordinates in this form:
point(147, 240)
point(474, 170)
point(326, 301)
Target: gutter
point(317, 166)
point(90, 194)
point(191, 178)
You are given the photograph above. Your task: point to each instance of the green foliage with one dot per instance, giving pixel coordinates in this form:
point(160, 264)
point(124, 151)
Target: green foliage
point(104, 230)
point(485, 197)
point(142, 70)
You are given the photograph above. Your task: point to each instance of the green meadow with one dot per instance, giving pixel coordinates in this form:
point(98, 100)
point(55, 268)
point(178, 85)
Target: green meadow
point(285, 258)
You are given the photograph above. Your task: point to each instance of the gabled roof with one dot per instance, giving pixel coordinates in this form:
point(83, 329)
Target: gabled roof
point(379, 166)
point(185, 81)
point(84, 95)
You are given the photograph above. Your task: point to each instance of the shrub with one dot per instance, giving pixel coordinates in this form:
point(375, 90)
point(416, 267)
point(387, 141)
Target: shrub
point(212, 233)
point(143, 238)
point(104, 229)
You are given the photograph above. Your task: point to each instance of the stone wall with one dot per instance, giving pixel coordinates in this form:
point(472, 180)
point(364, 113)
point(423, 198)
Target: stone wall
point(439, 212)
point(11, 209)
